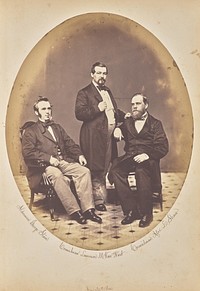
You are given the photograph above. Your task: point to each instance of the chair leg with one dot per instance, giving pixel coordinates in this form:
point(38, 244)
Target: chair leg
point(157, 198)
point(51, 200)
point(31, 199)
point(51, 211)
point(161, 201)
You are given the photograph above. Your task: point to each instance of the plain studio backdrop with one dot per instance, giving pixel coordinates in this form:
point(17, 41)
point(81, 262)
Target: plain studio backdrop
point(59, 66)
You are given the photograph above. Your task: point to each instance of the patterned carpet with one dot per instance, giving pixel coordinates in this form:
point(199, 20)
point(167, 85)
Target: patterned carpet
point(111, 233)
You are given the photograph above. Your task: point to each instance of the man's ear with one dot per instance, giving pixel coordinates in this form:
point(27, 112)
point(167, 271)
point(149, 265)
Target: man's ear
point(92, 75)
point(146, 106)
point(36, 113)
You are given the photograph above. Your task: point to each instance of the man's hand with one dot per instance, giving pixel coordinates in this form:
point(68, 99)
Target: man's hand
point(118, 133)
point(127, 115)
point(102, 105)
point(54, 162)
point(141, 158)
point(82, 160)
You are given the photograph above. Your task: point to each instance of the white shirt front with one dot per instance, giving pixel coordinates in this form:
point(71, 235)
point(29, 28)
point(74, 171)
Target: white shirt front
point(49, 128)
point(139, 123)
point(109, 111)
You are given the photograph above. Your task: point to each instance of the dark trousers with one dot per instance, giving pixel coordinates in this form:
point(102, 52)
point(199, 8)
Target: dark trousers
point(155, 176)
point(146, 174)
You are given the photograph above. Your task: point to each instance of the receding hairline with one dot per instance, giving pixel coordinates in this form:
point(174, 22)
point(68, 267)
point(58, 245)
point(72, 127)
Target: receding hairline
point(43, 99)
point(144, 98)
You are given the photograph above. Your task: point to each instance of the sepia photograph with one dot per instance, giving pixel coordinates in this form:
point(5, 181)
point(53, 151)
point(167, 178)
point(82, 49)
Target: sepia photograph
point(100, 141)
point(64, 85)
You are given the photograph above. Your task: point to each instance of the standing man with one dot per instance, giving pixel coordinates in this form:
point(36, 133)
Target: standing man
point(48, 141)
point(96, 107)
point(145, 144)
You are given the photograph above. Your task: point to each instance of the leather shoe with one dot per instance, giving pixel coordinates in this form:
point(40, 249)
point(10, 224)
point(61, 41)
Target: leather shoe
point(90, 214)
point(130, 217)
point(78, 217)
point(101, 207)
point(146, 220)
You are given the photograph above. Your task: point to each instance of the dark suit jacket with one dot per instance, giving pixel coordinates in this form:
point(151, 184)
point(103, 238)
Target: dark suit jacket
point(93, 134)
point(151, 139)
point(38, 144)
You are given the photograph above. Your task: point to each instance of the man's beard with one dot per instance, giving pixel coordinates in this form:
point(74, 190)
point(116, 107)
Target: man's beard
point(137, 114)
point(101, 82)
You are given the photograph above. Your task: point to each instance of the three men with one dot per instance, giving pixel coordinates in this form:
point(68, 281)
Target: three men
point(96, 107)
point(145, 144)
point(48, 141)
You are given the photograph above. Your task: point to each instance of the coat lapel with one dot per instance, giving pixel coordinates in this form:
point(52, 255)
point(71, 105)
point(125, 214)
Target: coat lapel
point(45, 132)
point(146, 127)
point(131, 126)
point(96, 93)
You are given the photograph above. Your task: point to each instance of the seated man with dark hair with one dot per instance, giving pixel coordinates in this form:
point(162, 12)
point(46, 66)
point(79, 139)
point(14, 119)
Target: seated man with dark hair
point(145, 144)
point(48, 141)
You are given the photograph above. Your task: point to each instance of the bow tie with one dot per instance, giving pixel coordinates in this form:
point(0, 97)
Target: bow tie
point(48, 123)
point(141, 118)
point(103, 88)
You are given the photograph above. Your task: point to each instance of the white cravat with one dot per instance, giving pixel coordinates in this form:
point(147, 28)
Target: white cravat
point(109, 111)
point(139, 123)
